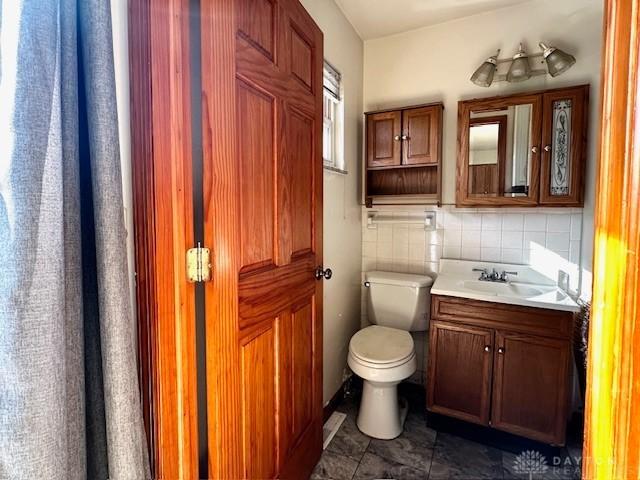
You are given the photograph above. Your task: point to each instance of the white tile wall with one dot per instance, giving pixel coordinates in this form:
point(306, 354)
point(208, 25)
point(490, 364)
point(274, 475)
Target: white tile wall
point(548, 239)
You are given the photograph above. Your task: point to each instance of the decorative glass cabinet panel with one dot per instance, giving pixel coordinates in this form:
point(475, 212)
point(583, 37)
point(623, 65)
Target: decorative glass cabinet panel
point(561, 148)
point(564, 129)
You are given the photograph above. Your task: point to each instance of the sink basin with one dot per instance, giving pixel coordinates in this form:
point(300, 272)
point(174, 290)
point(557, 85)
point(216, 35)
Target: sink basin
point(520, 290)
point(525, 290)
point(486, 287)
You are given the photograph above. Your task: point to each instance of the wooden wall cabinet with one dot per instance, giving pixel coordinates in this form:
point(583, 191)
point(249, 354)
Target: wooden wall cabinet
point(404, 152)
point(523, 150)
point(502, 366)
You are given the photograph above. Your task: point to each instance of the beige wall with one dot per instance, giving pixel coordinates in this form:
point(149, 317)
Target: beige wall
point(343, 48)
point(435, 63)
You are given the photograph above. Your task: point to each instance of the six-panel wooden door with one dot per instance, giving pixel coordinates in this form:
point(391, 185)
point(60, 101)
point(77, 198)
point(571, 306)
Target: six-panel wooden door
point(262, 141)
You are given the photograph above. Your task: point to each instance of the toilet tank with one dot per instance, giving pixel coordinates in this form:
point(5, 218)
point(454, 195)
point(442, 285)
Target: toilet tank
point(399, 300)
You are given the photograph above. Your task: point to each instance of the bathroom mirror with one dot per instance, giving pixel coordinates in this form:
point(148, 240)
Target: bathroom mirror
point(497, 151)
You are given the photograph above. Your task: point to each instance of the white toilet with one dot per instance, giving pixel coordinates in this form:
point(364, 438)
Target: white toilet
point(383, 354)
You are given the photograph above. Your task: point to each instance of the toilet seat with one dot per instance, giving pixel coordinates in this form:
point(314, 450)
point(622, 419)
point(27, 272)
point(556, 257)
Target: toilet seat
point(382, 347)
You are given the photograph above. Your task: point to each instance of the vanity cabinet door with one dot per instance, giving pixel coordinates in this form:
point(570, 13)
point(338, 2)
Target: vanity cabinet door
point(384, 139)
point(530, 386)
point(563, 146)
point(421, 135)
point(460, 363)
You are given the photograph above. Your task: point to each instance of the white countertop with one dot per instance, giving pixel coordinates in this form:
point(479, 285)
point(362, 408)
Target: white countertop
point(528, 288)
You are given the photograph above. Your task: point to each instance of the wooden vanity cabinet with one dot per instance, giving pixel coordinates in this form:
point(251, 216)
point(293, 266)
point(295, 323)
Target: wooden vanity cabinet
point(502, 366)
point(403, 157)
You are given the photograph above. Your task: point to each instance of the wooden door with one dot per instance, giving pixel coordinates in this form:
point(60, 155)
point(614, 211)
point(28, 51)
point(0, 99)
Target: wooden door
point(612, 430)
point(530, 386)
point(564, 137)
point(460, 363)
point(384, 132)
point(421, 131)
point(262, 140)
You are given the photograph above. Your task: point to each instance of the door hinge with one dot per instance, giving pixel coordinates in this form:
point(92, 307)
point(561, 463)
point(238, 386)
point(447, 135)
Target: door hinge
point(198, 264)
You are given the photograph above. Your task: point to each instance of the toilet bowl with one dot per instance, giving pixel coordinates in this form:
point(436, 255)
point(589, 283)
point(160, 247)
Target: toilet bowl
point(382, 357)
point(383, 354)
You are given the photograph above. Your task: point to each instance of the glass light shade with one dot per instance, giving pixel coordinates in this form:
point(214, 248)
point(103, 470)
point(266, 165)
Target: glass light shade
point(483, 76)
point(520, 68)
point(557, 60)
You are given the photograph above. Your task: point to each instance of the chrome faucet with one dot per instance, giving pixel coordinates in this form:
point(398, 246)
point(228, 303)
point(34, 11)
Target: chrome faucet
point(493, 275)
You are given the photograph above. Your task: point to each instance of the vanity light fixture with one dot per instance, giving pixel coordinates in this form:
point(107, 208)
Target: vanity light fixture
point(557, 61)
point(483, 76)
point(520, 70)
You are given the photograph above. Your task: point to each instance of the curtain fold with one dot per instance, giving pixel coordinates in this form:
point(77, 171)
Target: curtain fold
point(69, 396)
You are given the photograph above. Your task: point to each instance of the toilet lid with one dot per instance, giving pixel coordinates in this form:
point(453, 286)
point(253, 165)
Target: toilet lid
point(377, 344)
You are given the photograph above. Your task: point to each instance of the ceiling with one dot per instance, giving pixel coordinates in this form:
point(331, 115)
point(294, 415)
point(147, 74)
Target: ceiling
point(378, 18)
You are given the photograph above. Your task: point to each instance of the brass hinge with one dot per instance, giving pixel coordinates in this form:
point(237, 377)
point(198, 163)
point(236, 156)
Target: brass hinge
point(198, 264)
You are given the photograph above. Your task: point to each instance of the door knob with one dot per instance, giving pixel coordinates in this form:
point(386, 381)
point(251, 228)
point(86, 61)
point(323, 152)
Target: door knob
point(326, 273)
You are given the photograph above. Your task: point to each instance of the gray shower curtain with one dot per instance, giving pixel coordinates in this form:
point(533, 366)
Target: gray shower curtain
point(69, 398)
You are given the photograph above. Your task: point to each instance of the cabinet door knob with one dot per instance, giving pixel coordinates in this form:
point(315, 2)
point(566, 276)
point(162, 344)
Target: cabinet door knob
point(405, 137)
point(534, 149)
point(547, 148)
point(487, 348)
point(397, 138)
point(501, 350)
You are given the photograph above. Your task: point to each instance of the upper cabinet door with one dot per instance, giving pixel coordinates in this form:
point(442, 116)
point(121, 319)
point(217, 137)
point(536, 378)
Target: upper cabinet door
point(564, 146)
point(421, 135)
point(384, 132)
point(499, 151)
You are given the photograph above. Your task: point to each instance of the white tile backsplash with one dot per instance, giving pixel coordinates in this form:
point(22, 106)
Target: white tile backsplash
point(453, 237)
point(560, 223)
point(534, 238)
point(513, 222)
point(470, 253)
point(512, 239)
point(504, 235)
point(490, 239)
point(471, 221)
point(558, 242)
point(491, 221)
point(535, 222)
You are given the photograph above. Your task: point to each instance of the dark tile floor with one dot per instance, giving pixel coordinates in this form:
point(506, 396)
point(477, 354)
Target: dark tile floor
point(424, 453)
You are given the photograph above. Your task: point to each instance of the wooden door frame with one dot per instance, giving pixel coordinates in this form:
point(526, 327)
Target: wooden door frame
point(612, 430)
point(161, 157)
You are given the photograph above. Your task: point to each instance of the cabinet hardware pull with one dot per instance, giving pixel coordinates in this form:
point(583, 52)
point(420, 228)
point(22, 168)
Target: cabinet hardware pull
point(405, 137)
point(501, 350)
point(396, 138)
point(487, 348)
point(547, 148)
point(534, 149)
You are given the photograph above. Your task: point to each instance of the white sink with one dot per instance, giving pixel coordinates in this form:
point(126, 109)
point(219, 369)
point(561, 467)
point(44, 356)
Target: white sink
point(519, 290)
point(530, 288)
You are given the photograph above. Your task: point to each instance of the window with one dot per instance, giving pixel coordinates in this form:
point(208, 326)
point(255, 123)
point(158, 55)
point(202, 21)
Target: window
point(333, 120)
